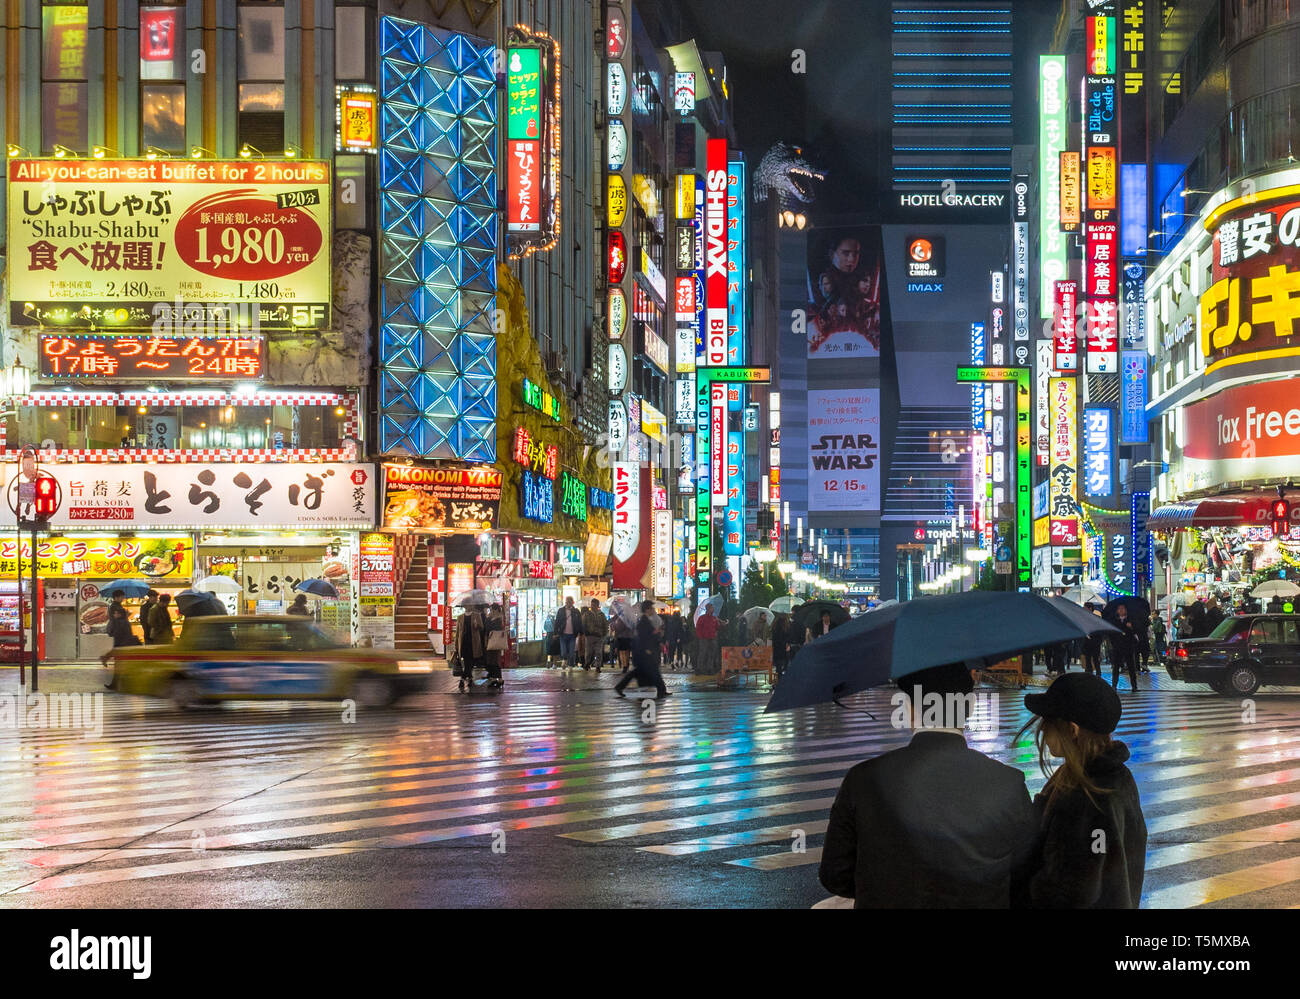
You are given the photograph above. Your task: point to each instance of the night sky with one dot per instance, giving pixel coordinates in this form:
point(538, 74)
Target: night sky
point(839, 110)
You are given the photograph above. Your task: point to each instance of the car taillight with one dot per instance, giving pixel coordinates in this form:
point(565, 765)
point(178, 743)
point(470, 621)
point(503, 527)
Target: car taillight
point(1181, 653)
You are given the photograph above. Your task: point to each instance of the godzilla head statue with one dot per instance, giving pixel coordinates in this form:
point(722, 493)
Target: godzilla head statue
point(784, 172)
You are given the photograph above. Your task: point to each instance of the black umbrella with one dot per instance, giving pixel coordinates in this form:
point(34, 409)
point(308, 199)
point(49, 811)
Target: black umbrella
point(1139, 611)
point(980, 627)
point(198, 603)
point(809, 614)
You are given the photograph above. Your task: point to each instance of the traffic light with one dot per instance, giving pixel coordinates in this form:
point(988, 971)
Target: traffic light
point(1281, 517)
point(47, 498)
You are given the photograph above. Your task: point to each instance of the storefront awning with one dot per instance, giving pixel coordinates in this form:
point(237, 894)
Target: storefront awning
point(1222, 512)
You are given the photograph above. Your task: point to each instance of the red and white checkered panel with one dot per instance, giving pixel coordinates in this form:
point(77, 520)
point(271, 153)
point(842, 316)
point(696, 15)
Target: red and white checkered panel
point(350, 429)
point(185, 399)
point(403, 551)
point(238, 455)
point(439, 612)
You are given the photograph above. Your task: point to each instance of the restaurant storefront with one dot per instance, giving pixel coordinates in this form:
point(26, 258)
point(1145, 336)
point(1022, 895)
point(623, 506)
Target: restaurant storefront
point(1223, 408)
point(266, 527)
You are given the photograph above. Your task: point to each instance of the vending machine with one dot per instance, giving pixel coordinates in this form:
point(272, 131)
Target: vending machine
point(16, 622)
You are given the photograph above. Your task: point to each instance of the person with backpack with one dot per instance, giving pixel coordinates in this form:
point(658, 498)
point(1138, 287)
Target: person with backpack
point(595, 626)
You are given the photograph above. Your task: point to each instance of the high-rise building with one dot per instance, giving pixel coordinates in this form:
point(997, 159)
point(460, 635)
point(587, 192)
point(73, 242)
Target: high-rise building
point(951, 96)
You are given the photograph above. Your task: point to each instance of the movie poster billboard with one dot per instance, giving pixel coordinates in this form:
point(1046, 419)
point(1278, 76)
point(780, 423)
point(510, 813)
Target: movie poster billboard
point(844, 450)
point(844, 292)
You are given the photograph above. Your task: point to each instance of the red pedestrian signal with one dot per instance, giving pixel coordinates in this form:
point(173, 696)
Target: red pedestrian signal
point(1281, 517)
point(47, 497)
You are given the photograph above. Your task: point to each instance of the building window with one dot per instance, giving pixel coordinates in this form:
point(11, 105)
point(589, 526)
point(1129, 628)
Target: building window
point(261, 77)
point(162, 75)
point(64, 88)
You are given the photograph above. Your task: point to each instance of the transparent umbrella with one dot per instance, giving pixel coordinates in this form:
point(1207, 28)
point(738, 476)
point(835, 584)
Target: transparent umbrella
point(784, 605)
point(218, 584)
point(754, 613)
point(476, 597)
point(1274, 588)
point(625, 611)
point(716, 601)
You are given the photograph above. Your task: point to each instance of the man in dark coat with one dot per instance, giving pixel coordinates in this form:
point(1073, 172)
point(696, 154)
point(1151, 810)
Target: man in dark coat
point(1123, 648)
point(932, 825)
point(646, 652)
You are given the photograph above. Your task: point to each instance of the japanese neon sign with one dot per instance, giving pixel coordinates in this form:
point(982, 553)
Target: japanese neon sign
point(152, 357)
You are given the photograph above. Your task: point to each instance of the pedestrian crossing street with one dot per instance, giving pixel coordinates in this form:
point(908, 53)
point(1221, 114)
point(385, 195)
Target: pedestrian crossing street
point(710, 785)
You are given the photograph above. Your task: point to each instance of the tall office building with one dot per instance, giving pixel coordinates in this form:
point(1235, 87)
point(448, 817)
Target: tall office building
point(951, 101)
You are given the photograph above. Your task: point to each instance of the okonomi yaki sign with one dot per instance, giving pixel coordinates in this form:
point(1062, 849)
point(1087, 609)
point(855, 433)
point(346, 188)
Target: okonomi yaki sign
point(112, 243)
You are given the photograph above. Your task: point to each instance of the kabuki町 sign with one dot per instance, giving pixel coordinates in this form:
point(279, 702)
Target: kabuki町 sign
point(104, 241)
point(217, 495)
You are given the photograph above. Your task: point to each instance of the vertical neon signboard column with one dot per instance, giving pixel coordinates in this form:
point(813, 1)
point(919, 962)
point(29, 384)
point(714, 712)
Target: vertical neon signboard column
point(1051, 143)
point(1019, 377)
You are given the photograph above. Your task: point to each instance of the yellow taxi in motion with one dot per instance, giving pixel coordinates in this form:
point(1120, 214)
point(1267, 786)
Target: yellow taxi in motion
point(263, 657)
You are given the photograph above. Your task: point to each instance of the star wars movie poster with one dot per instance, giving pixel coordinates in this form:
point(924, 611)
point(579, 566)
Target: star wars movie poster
point(844, 279)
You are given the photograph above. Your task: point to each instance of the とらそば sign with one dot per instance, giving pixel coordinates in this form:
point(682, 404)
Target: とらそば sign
point(159, 559)
point(108, 242)
point(435, 499)
point(199, 495)
point(152, 357)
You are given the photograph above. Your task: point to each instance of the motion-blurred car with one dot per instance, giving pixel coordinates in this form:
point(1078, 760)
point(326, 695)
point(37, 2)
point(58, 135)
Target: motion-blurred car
point(263, 657)
point(1242, 654)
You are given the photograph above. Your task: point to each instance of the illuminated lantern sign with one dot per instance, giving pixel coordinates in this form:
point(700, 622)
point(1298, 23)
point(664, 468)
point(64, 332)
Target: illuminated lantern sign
point(617, 257)
point(617, 144)
point(617, 368)
point(716, 234)
point(615, 33)
point(1066, 342)
point(1252, 305)
point(542, 401)
point(358, 120)
point(615, 89)
point(617, 425)
point(616, 199)
point(684, 93)
point(617, 313)
point(532, 140)
point(152, 357)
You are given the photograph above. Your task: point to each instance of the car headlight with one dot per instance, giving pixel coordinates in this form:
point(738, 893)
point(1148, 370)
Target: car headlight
point(414, 666)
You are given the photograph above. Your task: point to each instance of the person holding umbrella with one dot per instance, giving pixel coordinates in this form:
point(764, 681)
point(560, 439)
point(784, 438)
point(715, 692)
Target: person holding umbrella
point(708, 656)
point(1091, 799)
point(822, 627)
point(1092, 651)
point(934, 824)
point(299, 606)
point(645, 654)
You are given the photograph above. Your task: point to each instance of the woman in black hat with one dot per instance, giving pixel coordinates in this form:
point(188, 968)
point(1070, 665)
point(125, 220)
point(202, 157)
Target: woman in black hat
point(1093, 838)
